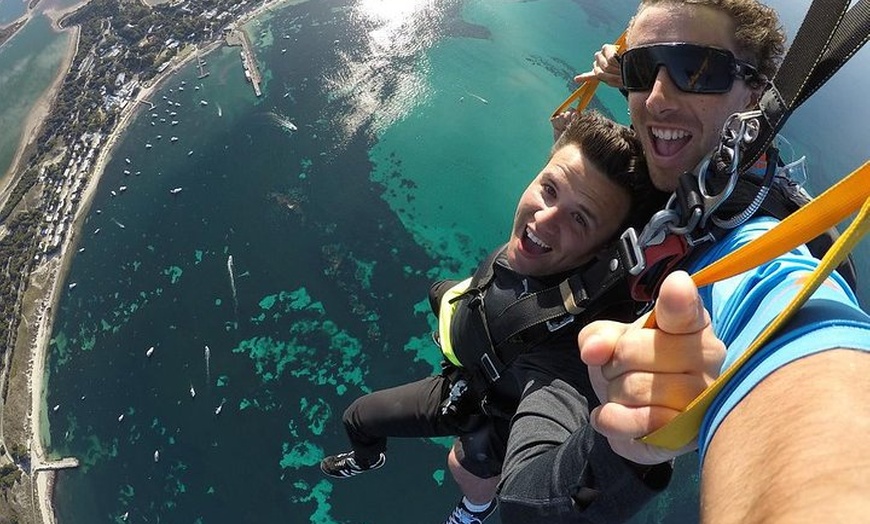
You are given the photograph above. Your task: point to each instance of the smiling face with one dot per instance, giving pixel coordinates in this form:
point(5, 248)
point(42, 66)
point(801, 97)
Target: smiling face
point(566, 214)
point(678, 129)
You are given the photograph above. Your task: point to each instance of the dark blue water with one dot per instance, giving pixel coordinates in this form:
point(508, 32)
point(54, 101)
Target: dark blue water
point(388, 150)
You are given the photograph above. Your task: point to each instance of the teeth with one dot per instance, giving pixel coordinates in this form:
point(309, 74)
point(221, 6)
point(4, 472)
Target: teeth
point(536, 240)
point(669, 134)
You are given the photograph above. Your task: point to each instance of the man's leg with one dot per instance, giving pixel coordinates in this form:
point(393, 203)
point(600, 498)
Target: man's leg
point(477, 490)
point(558, 469)
point(409, 410)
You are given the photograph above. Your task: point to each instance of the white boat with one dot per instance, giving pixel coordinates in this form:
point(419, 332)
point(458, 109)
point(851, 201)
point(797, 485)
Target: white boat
point(190, 152)
point(149, 352)
point(56, 407)
point(203, 102)
point(113, 192)
point(192, 392)
point(156, 455)
point(127, 160)
point(175, 190)
point(173, 123)
point(73, 285)
point(120, 417)
point(122, 189)
point(174, 139)
point(97, 231)
point(147, 146)
point(81, 250)
point(126, 171)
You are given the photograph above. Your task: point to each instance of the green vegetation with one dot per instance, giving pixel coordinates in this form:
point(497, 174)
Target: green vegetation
point(9, 475)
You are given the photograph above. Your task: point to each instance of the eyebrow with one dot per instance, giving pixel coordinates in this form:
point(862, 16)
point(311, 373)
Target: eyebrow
point(590, 217)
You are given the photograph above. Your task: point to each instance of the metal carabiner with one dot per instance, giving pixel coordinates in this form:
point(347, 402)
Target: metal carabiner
point(740, 129)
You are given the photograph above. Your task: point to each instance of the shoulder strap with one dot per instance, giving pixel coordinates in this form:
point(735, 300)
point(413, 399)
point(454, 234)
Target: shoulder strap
point(829, 36)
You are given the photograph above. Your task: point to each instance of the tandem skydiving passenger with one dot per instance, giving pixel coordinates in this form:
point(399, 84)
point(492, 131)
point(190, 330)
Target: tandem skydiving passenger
point(786, 440)
point(593, 186)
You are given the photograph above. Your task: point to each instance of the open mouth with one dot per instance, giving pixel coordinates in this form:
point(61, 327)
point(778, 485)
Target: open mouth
point(532, 244)
point(668, 142)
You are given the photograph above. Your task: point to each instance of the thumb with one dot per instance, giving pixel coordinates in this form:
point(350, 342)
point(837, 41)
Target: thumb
point(679, 309)
point(582, 77)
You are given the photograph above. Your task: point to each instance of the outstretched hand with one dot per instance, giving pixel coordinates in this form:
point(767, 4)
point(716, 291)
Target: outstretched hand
point(605, 67)
point(644, 377)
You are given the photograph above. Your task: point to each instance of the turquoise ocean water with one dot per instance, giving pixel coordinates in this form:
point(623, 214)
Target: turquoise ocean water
point(289, 273)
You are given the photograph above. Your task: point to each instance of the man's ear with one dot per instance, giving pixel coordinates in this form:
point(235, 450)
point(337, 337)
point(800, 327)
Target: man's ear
point(754, 97)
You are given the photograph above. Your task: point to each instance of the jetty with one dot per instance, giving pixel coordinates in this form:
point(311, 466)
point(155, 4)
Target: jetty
point(53, 465)
point(200, 63)
point(237, 37)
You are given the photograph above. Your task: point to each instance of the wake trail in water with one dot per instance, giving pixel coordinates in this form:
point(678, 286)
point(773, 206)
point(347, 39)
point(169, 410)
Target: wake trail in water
point(207, 365)
point(232, 274)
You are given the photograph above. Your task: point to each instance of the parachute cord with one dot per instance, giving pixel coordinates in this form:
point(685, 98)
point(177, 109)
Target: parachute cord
point(755, 205)
point(747, 213)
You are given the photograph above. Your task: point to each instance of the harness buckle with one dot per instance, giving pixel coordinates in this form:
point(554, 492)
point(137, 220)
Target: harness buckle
point(490, 369)
point(558, 323)
point(633, 250)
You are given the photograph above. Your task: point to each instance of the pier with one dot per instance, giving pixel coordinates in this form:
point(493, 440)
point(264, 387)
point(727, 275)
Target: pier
point(237, 37)
point(64, 463)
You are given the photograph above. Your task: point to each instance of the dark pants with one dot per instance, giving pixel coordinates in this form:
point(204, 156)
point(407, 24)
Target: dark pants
point(414, 410)
point(559, 470)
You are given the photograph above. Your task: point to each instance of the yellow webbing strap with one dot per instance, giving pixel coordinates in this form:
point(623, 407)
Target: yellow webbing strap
point(445, 315)
point(586, 90)
point(823, 212)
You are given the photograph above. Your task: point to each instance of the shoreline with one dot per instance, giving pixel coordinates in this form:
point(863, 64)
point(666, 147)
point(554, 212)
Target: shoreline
point(39, 112)
point(57, 268)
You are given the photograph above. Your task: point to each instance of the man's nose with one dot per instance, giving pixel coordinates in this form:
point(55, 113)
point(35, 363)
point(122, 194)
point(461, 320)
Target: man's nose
point(663, 94)
point(547, 218)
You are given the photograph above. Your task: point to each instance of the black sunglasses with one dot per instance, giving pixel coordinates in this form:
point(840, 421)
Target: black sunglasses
point(693, 68)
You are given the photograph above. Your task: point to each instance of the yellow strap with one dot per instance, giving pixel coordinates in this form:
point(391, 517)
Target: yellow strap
point(587, 89)
point(805, 224)
point(445, 316)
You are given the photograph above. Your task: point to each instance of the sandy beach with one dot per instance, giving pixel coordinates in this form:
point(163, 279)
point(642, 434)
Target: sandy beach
point(55, 269)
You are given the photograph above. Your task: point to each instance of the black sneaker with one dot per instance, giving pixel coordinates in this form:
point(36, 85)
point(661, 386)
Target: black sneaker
point(462, 515)
point(344, 465)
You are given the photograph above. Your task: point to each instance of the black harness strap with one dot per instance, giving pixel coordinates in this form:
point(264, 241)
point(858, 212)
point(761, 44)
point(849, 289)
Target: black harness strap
point(822, 46)
point(829, 36)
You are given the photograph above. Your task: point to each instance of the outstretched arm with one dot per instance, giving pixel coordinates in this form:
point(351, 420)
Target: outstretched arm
point(794, 445)
point(796, 448)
